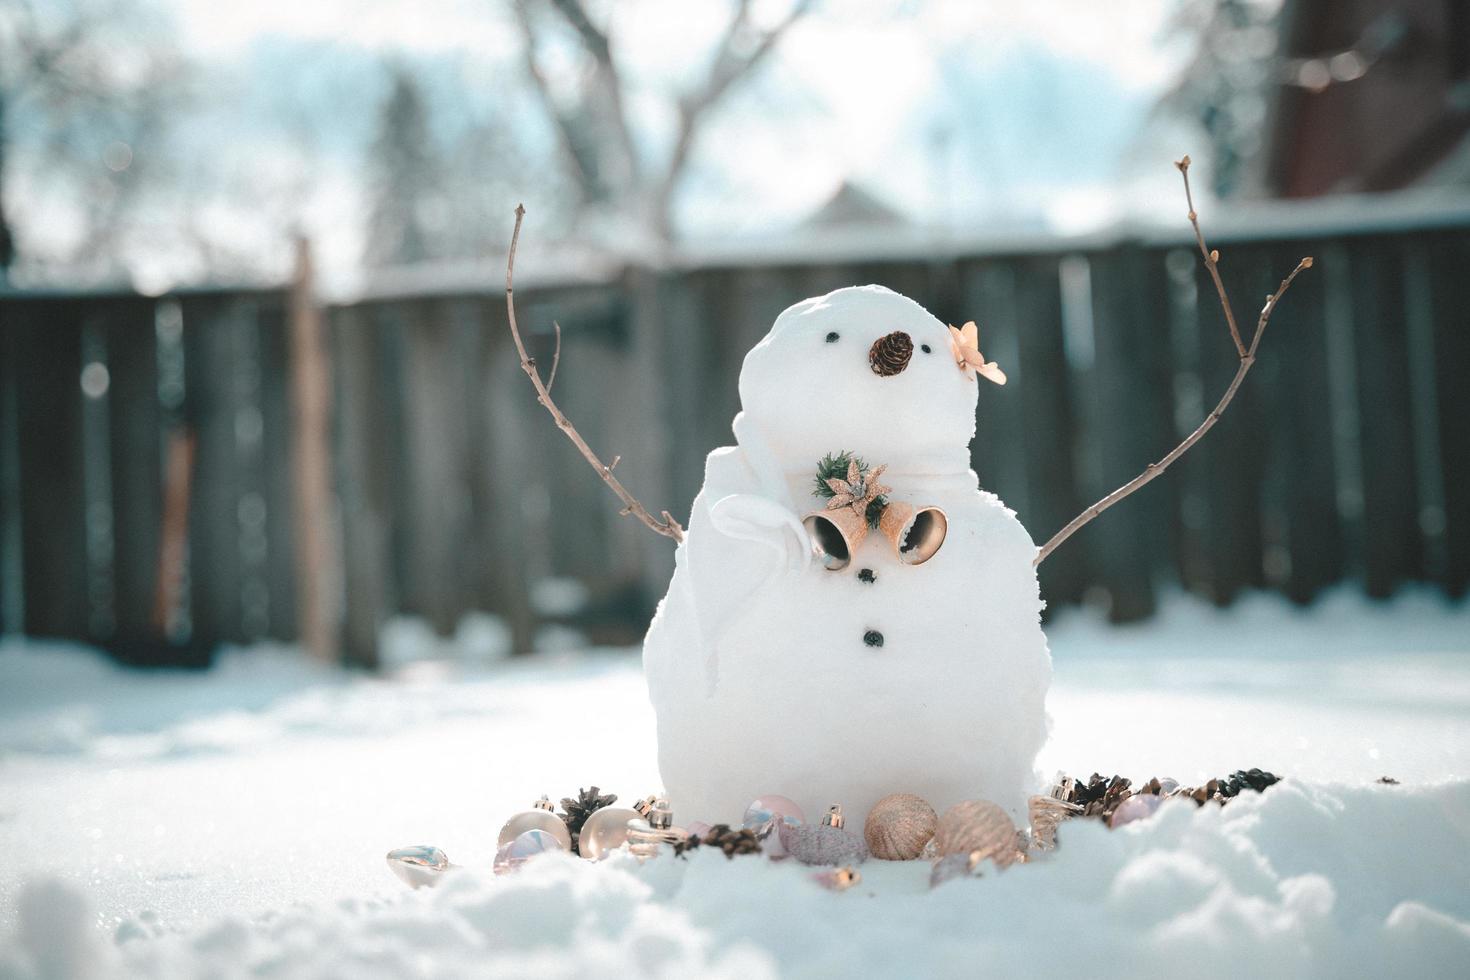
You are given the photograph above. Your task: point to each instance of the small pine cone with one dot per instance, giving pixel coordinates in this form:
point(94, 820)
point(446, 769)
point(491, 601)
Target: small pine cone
point(889, 355)
point(576, 811)
point(1206, 793)
point(1257, 779)
point(1085, 793)
point(1101, 796)
point(722, 836)
point(1117, 792)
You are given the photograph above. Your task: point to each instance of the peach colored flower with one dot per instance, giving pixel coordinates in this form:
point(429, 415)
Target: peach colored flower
point(965, 343)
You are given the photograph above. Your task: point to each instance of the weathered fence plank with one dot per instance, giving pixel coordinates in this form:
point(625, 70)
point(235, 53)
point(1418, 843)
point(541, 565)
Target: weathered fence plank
point(1047, 405)
point(12, 595)
point(364, 483)
point(1391, 536)
point(277, 434)
point(47, 344)
point(1232, 458)
point(211, 327)
point(435, 445)
point(1449, 258)
point(1130, 379)
point(1304, 545)
point(137, 480)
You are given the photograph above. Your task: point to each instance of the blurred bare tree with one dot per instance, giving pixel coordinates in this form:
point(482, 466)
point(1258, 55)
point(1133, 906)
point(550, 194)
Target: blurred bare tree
point(85, 91)
point(1226, 84)
point(404, 177)
point(589, 107)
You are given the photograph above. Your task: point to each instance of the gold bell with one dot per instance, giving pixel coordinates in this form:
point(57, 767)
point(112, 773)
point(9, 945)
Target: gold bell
point(916, 533)
point(835, 535)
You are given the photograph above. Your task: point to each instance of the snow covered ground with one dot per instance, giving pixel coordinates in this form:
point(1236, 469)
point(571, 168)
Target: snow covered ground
point(234, 822)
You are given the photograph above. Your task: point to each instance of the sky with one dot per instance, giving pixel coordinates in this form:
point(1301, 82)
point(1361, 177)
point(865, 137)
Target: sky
point(959, 113)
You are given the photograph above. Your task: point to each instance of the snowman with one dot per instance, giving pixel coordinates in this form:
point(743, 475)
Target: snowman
point(850, 615)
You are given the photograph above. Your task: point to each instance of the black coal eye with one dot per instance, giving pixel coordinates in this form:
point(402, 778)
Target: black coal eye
point(832, 337)
point(924, 348)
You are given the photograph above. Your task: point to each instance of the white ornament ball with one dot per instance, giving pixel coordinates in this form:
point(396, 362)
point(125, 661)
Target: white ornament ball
point(604, 832)
point(540, 817)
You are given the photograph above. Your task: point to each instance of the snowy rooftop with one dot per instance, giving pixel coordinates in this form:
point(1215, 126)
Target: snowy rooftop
point(235, 821)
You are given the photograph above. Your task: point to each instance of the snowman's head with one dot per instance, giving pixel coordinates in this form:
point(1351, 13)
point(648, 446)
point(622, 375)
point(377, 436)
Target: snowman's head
point(863, 370)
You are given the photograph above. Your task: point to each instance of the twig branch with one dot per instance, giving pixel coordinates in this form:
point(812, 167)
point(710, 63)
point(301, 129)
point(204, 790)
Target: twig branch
point(1212, 259)
point(668, 527)
point(1247, 358)
point(555, 360)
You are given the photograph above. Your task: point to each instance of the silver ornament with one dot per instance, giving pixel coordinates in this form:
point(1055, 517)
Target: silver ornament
point(419, 866)
point(542, 816)
point(899, 826)
point(978, 826)
point(650, 833)
point(1046, 813)
point(827, 843)
point(604, 832)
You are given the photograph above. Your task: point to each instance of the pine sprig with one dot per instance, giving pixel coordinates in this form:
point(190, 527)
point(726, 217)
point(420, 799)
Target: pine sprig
point(833, 466)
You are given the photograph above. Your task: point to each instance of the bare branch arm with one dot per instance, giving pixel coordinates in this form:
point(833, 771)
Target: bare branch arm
point(1247, 358)
point(1212, 259)
point(668, 526)
point(555, 361)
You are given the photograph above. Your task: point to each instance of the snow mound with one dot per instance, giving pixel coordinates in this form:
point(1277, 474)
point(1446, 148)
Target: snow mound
point(1301, 881)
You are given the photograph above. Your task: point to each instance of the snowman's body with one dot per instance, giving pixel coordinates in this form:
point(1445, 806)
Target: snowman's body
point(761, 663)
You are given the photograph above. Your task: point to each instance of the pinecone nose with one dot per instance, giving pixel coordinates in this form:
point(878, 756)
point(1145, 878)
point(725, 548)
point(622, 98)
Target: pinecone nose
point(890, 354)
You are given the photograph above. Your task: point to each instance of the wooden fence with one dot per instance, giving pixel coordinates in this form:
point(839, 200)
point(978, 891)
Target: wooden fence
point(1345, 456)
point(94, 392)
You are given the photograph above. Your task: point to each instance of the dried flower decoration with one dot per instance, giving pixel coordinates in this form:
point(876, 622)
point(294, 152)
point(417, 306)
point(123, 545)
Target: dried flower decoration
point(965, 342)
point(859, 492)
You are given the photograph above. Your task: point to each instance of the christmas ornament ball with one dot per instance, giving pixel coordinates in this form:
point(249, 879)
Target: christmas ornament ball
point(524, 847)
point(604, 832)
point(827, 843)
point(767, 815)
point(1135, 808)
point(542, 816)
point(764, 811)
point(898, 827)
point(977, 827)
